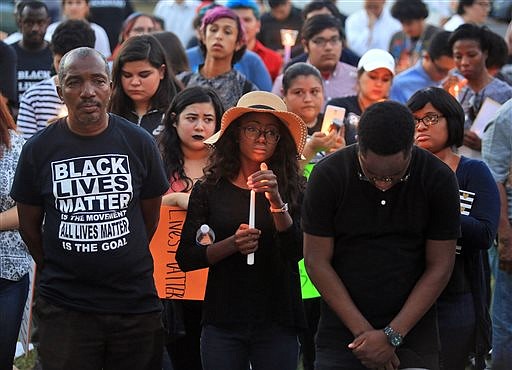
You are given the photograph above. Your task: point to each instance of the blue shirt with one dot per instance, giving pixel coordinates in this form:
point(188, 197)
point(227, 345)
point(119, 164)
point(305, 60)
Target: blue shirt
point(497, 149)
point(251, 66)
point(405, 84)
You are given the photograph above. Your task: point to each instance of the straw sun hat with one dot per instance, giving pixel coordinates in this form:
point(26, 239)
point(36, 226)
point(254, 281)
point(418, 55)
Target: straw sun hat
point(264, 102)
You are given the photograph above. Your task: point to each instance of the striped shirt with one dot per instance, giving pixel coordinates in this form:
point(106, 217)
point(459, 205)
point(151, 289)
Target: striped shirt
point(39, 104)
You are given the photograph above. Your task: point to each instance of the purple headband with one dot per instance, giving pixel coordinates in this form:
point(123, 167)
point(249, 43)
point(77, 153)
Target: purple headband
point(222, 12)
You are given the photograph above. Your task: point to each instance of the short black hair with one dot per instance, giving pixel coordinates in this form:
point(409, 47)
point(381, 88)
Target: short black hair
point(32, 5)
point(299, 69)
point(498, 54)
point(386, 128)
point(462, 4)
point(63, 2)
point(408, 10)
point(469, 31)
point(439, 45)
point(320, 4)
point(447, 105)
point(314, 25)
point(72, 34)
point(276, 3)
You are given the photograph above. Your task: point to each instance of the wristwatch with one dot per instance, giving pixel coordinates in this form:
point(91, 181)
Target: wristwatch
point(394, 337)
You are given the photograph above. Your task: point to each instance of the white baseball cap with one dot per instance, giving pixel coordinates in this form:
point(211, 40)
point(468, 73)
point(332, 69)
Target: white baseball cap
point(377, 58)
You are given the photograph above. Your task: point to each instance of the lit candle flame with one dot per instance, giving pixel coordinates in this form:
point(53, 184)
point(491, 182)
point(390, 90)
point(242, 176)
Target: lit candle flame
point(456, 90)
point(288, 37)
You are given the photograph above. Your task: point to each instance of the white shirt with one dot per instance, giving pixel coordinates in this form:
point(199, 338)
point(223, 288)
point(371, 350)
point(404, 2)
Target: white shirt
point(178, 17)
point(359, 37)
point(102, 43)
point(13, 38)
point(454, 22)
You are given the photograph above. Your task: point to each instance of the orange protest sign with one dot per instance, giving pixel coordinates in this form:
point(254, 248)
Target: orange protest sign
point(170, 281)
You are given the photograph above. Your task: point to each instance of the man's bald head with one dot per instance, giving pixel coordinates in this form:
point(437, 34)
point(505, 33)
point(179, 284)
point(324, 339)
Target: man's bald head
point(79, 53)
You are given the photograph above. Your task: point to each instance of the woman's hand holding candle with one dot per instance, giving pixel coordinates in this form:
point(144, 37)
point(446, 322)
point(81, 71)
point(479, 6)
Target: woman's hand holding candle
point(265, 181)
point(246, 239)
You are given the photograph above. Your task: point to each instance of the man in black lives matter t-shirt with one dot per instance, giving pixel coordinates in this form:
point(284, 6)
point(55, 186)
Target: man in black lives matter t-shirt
point(380, 220)
point(88, 190)
point(34, 55)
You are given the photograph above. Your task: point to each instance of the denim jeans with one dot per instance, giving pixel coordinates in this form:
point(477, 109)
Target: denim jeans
point(501, 315)
point(13, 295)
point(91, 341)
point(264, 347)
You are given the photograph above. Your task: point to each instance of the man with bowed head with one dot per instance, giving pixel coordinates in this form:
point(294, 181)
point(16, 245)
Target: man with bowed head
point(380, 221)
point(88, 190)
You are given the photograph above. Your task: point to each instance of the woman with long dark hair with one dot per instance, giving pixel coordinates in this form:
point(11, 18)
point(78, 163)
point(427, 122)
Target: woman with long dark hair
point(143, 85)
point(193, 117)
point(252, 313)
point(15, 259)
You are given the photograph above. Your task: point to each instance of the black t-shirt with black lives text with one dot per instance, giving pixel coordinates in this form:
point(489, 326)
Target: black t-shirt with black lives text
point(379, 239)
point(33, 66)
point(96, 253)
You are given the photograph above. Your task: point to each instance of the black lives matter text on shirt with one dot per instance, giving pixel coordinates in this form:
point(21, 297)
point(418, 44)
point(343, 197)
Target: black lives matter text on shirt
point(32, 67)
point(92, 193)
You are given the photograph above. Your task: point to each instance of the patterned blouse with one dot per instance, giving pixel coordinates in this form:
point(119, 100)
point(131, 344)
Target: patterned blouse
point(229, 86)
point(15, 259)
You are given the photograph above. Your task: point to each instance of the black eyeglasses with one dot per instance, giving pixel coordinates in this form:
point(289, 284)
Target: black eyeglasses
point(320, 41)
point(428, 120)
point(253, 133)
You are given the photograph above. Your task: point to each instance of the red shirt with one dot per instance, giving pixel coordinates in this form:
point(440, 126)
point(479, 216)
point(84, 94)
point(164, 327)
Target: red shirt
point(272, 59)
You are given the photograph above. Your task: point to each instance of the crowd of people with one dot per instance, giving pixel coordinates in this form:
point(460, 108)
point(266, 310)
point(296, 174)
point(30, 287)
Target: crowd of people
point(398, 211)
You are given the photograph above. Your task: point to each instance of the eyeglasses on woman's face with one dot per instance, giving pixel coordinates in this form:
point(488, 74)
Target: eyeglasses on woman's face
point(428, 119)
point(252, 132)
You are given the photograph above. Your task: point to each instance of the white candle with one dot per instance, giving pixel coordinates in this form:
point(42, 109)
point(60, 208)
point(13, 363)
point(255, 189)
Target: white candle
point(252, 213)
point(287, 54)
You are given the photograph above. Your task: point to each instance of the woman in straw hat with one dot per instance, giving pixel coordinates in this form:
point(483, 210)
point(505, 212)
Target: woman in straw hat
point(252, 313)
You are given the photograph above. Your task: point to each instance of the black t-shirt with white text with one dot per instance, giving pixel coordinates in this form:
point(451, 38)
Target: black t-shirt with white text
point(33, 66)
point(96, 253)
